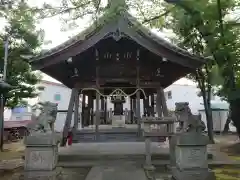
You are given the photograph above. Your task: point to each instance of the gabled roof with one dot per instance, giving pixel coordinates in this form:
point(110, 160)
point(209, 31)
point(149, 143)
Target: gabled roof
point(122, 24)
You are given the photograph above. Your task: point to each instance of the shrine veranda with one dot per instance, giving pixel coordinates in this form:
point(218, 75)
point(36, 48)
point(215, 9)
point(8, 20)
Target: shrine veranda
point(116, 58)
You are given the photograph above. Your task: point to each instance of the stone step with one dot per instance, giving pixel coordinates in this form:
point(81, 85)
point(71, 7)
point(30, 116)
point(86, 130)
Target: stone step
point(114, 137)
point(106, 157)
point(11, 165)
point(156, 163)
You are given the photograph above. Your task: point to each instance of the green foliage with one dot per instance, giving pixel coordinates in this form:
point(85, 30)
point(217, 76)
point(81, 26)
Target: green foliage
point(207, 26)
point(24, 39)
point(221, 39)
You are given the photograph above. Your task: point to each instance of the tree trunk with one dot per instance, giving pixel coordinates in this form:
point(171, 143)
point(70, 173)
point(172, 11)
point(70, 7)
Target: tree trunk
point(228, 121)
point(206, 94)
point(235, 114)
point(209, 119)
point(209, 109)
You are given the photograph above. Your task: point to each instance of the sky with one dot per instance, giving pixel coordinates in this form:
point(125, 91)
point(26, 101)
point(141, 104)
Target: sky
point(53, 32)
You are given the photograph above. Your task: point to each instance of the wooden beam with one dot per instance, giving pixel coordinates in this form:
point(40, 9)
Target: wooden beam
point(148, 85)
point(69, 117)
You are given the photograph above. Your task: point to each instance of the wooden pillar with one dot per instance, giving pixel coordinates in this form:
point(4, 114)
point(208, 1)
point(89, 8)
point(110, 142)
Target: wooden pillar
point(76, 113)
point(152, 104)
point(84, 120)
point(97, 116)
point(101, 109)
point(134, 108)
point(131, 110)
point(146, 106)
point(105, 111)
point(90, 105)
point(159, 103)
point(138, 113)
point(164, 103)
point(69, 116)
point(102, 103)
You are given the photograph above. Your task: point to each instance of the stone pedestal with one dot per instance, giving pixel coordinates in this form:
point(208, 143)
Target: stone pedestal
point(118, 121)
point(41, 156)
point(172, 147)
point(191, 157)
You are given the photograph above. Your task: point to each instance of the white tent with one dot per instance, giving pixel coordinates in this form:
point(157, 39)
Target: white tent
point(219, 114)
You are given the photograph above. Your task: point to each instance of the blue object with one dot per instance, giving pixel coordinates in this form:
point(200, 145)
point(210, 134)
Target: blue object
point(19, 109)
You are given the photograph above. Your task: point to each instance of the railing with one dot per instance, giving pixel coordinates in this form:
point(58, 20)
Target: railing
point(156, 127)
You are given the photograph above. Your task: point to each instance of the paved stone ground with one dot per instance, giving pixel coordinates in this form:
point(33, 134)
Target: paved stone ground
point(120, 148)
point(66, 174)
point(117, 171)
point(8, 165)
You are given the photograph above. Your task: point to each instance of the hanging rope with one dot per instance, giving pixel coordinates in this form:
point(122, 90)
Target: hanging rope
point(116, 92)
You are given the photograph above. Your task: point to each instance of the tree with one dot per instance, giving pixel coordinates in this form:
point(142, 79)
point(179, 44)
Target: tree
point(23, 40)
point(191, 40)
point(221, 36)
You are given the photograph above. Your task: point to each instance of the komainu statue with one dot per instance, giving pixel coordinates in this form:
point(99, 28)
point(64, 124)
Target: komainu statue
point(46, 119)
point(188, 121)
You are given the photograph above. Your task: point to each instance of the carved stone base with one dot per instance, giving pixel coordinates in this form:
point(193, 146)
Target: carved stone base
point(194, 174)
point(118, 121)
point(43, 175)
point(41, 153)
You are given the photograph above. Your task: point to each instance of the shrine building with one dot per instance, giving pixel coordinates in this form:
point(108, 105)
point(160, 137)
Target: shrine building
point(116, 58)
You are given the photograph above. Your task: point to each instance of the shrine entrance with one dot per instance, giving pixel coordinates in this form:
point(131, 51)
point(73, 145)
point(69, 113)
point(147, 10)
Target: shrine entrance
point(122, 69)
point(116, 123)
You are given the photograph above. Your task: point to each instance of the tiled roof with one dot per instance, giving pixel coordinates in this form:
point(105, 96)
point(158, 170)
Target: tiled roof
point(78, 39)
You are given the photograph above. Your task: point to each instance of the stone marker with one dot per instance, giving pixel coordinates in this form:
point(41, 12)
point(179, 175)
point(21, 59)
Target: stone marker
point(191, 157)
point(186, 120)
point(41, 153)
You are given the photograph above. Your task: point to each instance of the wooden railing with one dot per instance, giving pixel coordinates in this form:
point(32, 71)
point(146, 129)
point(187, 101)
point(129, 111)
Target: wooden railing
point(156, 127)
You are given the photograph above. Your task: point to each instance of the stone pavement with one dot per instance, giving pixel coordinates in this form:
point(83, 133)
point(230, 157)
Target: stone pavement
point(117, 171)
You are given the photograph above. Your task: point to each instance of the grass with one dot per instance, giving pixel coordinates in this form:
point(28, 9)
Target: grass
point(227, 173)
